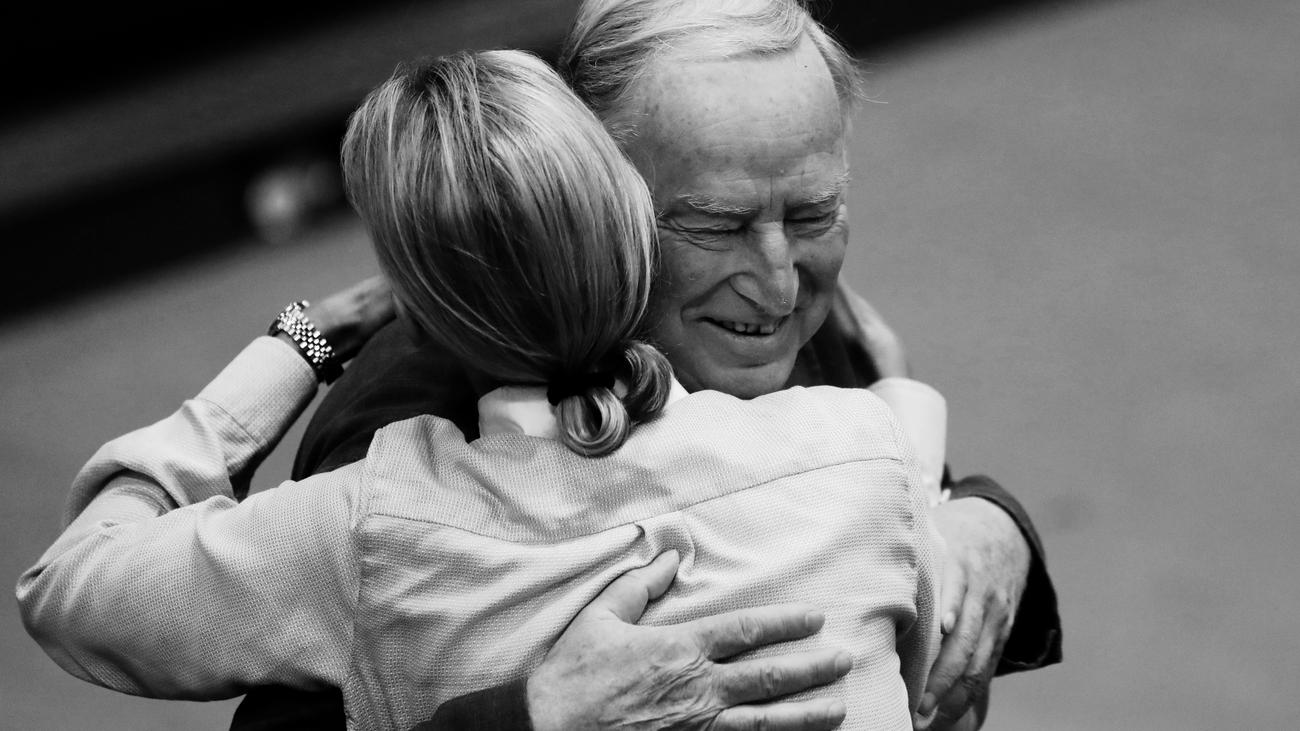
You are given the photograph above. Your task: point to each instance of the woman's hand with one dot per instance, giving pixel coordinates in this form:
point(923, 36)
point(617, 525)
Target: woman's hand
point(348, 318)
point(863, 324)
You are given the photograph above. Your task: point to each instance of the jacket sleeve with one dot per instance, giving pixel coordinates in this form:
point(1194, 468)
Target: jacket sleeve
point(163, 585)
point(837, 356)
point(395, 377)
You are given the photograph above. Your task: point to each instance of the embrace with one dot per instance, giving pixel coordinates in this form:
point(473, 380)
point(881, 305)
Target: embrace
point(614, 447)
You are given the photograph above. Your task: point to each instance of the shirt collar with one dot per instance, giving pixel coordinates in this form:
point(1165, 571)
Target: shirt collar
point(525, 410)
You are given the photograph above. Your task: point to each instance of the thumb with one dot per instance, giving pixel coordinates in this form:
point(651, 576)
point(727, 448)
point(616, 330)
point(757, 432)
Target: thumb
point(627, 596)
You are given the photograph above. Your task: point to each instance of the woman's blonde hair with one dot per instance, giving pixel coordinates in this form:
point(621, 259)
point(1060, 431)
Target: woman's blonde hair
point(514, 232)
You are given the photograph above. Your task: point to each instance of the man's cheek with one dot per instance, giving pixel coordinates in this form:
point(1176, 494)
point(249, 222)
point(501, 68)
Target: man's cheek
point(825, 258)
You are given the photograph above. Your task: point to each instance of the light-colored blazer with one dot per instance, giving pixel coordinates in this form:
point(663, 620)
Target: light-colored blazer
point(436, 567)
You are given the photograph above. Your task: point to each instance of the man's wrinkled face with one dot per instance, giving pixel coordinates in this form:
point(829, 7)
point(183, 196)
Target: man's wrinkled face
point(745, 159)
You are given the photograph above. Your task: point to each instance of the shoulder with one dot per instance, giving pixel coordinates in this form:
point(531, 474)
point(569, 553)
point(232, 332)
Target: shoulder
point(414, 444)
point(853, 412)
point(823, 423)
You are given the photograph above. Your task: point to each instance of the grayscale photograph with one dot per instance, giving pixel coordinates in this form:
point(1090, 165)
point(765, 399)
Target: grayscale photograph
point(717, 365)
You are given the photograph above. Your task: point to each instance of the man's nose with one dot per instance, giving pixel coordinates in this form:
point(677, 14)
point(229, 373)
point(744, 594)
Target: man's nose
point(767, 277)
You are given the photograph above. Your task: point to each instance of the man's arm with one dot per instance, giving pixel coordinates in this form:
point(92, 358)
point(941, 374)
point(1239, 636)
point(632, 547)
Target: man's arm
point(998, 599)
point(989, 630)
point(1037, 643)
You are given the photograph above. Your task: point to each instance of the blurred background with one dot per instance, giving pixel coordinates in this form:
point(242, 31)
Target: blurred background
point(1080, 216)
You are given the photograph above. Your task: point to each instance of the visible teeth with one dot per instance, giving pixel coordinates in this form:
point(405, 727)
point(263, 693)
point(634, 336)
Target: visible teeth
point(746, 328)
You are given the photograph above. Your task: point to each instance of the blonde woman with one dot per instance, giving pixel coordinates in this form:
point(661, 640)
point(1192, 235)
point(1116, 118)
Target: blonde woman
point(517, 237)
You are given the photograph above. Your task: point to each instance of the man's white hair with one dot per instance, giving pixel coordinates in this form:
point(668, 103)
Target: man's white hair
point(613, 42)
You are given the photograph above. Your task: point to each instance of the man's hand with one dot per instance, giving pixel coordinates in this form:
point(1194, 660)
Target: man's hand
point(862, 323)
point(985, 571)
point(605, 672)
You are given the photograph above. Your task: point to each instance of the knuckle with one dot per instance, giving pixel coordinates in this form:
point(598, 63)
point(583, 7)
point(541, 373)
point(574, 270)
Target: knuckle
point(750, 630)
point(676, 650)
point(1001, 598)
point(943, 677)
point(975, 687)
point(769, 682)
point(945, 681)
point(968, 633)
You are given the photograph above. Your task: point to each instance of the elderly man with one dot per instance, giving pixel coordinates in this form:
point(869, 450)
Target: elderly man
point(736, 113)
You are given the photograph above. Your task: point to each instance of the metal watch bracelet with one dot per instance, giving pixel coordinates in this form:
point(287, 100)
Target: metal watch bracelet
point(311, 344)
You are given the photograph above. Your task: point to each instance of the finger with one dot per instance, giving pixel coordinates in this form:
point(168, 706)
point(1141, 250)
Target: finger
point(951, 595)
point(882, 343)
point(765, 679)
point(810, 715)
point(866, 315)
point(627, 596)
point(954, 657)
point(732, 633)
point(952, 708)
point(986, 649)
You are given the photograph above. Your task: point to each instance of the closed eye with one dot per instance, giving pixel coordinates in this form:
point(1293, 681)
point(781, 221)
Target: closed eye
point(720, 229)
point(814, 221)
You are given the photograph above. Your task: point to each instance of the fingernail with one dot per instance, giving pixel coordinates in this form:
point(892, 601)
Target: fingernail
point(949, 621)
point(927, 704)
point(843, 663)
point(813, 619)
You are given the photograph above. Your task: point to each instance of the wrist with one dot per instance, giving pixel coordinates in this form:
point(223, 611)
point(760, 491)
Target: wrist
point(294, 326)
point(348, 319)
point(998, 527)
point(537, 718)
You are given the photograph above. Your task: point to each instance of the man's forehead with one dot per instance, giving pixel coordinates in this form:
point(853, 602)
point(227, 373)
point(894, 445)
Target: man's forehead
point(721, 129)
point(673, 84)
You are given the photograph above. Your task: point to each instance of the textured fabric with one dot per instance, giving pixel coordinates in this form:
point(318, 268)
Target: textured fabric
point(397, 376)
point(217, 575)
point(525, 410)
point(437, 566)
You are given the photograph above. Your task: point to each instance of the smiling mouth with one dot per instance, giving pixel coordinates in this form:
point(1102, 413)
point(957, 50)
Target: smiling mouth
point(752, 329)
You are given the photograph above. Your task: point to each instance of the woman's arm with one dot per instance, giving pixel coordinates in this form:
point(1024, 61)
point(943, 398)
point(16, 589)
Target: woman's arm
point(203, 601)
point(162, 584)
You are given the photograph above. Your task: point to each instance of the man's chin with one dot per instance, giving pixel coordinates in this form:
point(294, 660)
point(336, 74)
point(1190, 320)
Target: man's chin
point(745, 383)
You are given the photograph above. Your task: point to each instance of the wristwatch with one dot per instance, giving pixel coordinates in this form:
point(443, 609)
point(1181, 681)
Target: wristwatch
point(293, 322)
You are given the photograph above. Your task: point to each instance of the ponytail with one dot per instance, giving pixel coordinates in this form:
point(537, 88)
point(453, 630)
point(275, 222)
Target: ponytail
point(593, 420)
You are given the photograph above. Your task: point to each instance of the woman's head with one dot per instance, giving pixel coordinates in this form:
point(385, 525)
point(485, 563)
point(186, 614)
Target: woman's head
point(513, 230)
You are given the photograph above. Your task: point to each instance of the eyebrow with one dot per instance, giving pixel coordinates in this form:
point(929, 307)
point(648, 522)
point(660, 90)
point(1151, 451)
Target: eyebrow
point(711, 206)
point(708, 205)
point(827, 194)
